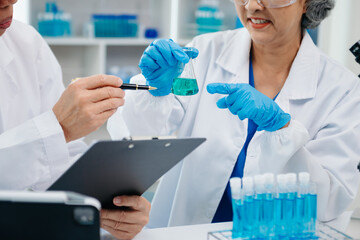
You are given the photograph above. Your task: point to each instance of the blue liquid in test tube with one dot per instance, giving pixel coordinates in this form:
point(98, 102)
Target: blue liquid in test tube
point(268, 215)
point(249, 217)
point(259, 206)
point(290, 205)
point(279, 207)
point(300, 214)
point(304, 181)
point(311, 211)
point(238, 208)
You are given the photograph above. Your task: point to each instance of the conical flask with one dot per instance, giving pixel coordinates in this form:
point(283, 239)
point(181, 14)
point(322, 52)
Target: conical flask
point(186, 84)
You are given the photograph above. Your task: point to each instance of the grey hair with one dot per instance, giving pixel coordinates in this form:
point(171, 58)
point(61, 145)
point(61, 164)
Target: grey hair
point(316, 11)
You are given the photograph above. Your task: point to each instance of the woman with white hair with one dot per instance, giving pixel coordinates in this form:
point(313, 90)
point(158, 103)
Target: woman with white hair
point(268, 101)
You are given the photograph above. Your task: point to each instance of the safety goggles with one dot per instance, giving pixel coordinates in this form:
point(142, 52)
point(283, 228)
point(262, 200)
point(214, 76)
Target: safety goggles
point(267, 3)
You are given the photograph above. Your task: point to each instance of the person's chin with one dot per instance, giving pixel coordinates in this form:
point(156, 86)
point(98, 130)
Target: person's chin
point(261, 37)
point(2, 31)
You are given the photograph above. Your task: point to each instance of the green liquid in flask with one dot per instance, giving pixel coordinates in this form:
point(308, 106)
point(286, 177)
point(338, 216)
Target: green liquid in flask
point(184, 86)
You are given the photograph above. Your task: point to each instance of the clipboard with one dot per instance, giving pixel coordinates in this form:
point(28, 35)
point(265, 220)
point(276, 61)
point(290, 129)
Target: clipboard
point(127, 167)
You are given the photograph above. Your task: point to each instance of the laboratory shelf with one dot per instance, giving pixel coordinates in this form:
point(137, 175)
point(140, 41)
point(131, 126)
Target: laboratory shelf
point(80, 41)
point(81, 55)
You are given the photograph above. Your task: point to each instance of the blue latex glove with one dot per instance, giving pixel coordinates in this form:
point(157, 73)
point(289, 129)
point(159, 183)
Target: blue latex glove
point(161, 62)
point(247, 102)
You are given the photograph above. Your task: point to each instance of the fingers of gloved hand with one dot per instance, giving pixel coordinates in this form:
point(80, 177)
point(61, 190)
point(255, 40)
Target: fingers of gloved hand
point(236, 107)
point(191, 52)
point(153, 53)
point(160, 75)
point(147, 72)
point(178, 51)
point(230, 100)
point(147, 62)
point(170, 51)
point(245, 111)
point(221, 103)
point(222, 88)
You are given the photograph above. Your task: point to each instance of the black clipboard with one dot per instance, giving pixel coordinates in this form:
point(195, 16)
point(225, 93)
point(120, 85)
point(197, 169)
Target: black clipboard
point(114, 168)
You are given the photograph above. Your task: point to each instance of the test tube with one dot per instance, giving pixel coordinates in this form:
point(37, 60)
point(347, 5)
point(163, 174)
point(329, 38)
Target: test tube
point(238, 207)
point(304, 180)
point(186, 84)
point(279, 208)
point(268, 215)
point(248, 191)
point(259, 205)
point(311, 210)
point(290, 204)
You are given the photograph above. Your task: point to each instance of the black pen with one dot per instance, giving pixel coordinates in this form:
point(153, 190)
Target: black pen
point(130, 86)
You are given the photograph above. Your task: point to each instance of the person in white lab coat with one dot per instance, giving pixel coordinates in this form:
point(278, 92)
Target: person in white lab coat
point(40, 122)
point(313, 125)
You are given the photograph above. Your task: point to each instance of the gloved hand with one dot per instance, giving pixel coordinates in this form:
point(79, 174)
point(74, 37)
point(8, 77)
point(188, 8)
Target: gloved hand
point(247, 102)
point(161, 62)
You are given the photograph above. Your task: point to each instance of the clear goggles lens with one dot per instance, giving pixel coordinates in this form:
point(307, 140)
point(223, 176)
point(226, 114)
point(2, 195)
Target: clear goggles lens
point(267, 3)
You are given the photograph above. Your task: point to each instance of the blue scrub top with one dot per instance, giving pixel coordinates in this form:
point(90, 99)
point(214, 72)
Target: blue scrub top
point(224, 211)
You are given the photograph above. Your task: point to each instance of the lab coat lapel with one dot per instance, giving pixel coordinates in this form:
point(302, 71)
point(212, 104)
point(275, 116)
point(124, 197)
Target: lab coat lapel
point(6, 56)
point(8, 85)
point(233, 59)
point(303, 77)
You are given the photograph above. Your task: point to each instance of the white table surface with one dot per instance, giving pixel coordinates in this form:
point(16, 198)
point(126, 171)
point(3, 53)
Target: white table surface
point(199, 232)
point(192, 232)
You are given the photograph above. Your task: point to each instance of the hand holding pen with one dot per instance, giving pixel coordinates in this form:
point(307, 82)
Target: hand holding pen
point(87, 103)
point(130, 86)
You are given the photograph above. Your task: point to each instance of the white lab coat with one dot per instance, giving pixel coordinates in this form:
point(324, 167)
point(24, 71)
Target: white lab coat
point(33, 151)
point(322, 97)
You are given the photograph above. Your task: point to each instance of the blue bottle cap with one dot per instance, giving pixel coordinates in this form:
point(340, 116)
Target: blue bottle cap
point(151, 33)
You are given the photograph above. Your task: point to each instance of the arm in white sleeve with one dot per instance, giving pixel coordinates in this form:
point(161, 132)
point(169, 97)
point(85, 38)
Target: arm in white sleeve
point(30, 154)
point(35, 153)
point(330, 157)
point(147, 115)
point(51, 84)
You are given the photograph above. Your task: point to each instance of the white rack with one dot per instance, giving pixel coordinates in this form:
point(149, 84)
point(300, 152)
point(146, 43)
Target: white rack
point(80, 56)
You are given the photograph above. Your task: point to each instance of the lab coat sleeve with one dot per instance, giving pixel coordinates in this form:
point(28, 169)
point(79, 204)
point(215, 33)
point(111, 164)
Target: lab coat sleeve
point(146, 115)
point(34, 154)
point(30, 153)
point(51, 85)
point(331, 156)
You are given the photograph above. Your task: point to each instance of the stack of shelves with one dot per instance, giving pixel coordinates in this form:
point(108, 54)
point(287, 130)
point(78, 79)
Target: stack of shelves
point(81, 56)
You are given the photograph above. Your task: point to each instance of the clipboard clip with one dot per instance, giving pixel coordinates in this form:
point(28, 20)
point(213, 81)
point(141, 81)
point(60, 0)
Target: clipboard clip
point(148, 138)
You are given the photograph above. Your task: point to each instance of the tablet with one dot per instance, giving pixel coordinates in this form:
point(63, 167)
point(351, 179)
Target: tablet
point(128, 167)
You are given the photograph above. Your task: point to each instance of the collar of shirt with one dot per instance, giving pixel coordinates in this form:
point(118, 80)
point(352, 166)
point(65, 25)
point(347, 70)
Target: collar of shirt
point(303, 77)
point(6, 55)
